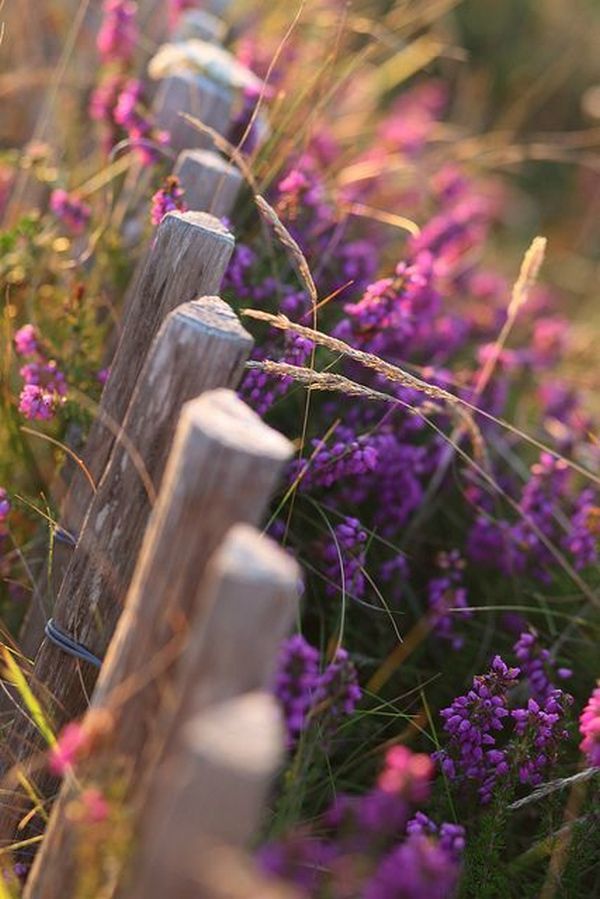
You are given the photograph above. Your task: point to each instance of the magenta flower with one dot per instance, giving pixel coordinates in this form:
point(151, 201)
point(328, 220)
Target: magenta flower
point(118, 33)
point(44, 391)
point(169, 198)
point(70, 209)
point(407, 773)
point(26, 341)
point(64, 754)
point(94, 807)
point(589, 727)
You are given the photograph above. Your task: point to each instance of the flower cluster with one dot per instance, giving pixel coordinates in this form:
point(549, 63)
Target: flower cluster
point(472, 723)
point(589, 726)
point(476, 722)
point(118, 34)
point(369, 846)
point(5, 510)
point(537, 666)
point(168, 198)
point(447, 593)
point(305, 693)
point(540, 727)
point(344, 556)
point(130, 114)
point(530, 544)
point(70, 209)
point(45, 387)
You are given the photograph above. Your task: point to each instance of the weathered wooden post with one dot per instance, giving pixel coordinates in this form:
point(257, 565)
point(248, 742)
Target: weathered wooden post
point(231, 629)
point(214, 785)
point(188, 258)
point(211, 184)
point(198, 96)
point(200, 346)
point(223, 467)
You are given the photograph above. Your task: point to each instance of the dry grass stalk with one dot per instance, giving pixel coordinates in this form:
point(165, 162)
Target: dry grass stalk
point(315, 380)
point(369, 360)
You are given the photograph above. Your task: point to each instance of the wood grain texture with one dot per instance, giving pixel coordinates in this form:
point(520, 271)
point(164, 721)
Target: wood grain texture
point(222, 468)
point(198, 96)
point(187, 258)
point(211, 184)
point(213, 786)
point(201, 345)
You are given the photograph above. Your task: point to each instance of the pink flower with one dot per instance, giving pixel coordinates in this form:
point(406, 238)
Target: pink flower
point(118, 34)
point(71, 741)
point(70, 209)
point(44, 391)
point(168, 199)
point(406, 773)
point(293, 183)
point(26, 341)
point(36, 403)
point(589, 727)
point(94, 806)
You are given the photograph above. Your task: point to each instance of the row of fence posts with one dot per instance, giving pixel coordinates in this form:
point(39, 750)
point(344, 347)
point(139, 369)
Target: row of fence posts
point(168, 582)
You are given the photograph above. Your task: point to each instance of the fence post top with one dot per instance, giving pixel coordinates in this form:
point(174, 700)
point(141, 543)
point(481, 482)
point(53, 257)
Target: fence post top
point(207, 159)
point(212, 315)
point(245, 733)
point(221, 415)
point(202, 220)
point(247, 553)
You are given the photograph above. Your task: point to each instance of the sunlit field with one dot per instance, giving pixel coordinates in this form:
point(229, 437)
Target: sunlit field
point(299, 588)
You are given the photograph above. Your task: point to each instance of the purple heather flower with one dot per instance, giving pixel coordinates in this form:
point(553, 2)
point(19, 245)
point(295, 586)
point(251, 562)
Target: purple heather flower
point(169, 198)
point(451, 836)
point(589, 727)
point(118, 33)
point(338, 687)
point(471, 723)
point(5, 505)
point(296, 682)
point(541, 731)
point(70, 209)
point(44, 390)
point(537, 666)
point(448, 592)
point(26, 341)
point(420, 868)
point(301, 859)
point(104, 98)
point(344, 557)
point(130, 115)
point(348, 456)
point(582, 540)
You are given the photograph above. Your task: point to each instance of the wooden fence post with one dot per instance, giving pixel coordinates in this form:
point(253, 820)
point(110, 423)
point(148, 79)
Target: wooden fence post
point(201, 346)
point(200, 97)
point(211, 184)
point(237, 618)
point(188, 258)
point(214, 785)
